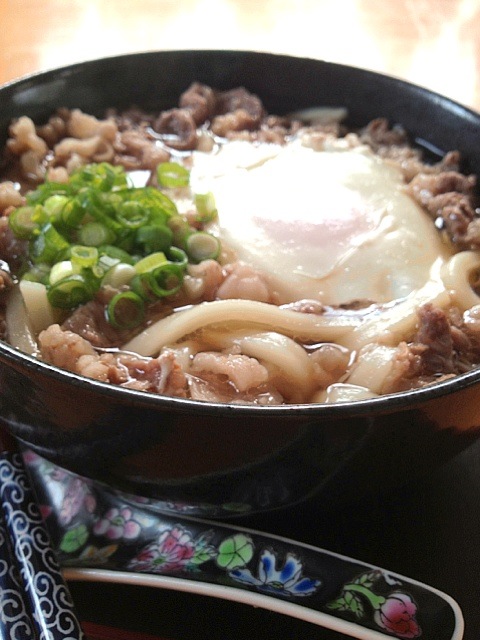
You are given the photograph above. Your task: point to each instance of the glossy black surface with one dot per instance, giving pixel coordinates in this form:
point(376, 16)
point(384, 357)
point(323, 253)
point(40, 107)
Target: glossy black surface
point(428, 530)
point(214, 456)
point(96, 527)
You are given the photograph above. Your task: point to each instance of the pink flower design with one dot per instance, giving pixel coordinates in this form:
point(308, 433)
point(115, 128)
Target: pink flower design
point(77, 495)
point(397, 615)
point(30, 457)
point(118, 523)
point(173, 551)
point(395, 612)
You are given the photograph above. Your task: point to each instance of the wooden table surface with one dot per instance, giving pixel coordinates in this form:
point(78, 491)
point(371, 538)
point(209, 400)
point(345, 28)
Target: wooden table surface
point(430, 531)
point(434, 43)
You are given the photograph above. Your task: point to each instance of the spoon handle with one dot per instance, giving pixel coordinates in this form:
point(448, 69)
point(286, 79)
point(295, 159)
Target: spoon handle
point(97, 530)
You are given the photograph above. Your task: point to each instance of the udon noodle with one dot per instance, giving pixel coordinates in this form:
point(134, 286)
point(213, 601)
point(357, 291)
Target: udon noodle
point(295, 261)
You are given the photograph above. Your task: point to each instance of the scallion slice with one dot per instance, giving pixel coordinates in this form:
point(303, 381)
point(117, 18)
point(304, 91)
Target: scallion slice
point(55, 204)
point(165, 280)
point(126, 310)
point(150, 262)
point(206, 207)
point(69, 292)
point(94, 234)
point(202, 246)
point(131, 214)
point(172, 174)
point(119, 275)
point(72, 213)
point(178, 256)
point(61, 270)
point(22, 222)
point(154, 238)
point(83, 256)
point(48, 245)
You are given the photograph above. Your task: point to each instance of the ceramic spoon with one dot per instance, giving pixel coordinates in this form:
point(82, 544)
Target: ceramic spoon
point(102, 535)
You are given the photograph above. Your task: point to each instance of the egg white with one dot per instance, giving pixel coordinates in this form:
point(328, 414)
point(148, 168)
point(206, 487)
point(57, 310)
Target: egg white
point(334, 225)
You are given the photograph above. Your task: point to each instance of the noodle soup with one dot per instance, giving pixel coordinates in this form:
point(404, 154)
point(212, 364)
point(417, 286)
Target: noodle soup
point(218, 253)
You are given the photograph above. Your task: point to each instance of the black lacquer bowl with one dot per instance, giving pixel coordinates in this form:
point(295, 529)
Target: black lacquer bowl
point(222, 460)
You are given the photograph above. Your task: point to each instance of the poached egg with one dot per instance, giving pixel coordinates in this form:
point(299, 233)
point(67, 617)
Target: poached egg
point(334, 225)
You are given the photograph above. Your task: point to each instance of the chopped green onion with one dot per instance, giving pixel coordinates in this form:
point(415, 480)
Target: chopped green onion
point(55, 204)
point(61, 270)
point(102, 176)
point(154, 238)
point(119, 275)
point(125, 310)
point(159, 206)
point(46, 190)
point(165, 280)
point(103, 266)
point(73, 213)
point(139, 285)
point(180, 229)
point(150, 262)
point(94, 234)
point(84, 256)
point(131, 214)
point(69, 292)
point(172, 174)
point(48, 245)
point(202, 246)
point(22, 222)
point(112, 251)
point(96, 230)
point(178, 257)
point(206, 207)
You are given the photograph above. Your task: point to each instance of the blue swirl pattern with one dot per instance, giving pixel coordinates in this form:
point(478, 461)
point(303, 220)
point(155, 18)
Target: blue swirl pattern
point(47, 595)
point(15, 622)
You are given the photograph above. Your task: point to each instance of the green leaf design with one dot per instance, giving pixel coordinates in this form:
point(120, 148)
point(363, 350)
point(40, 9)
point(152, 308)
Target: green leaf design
point(339, 605)
point(203, 555)
point(367, 579)
point(356, 607)
point(235, 551)
point(74, 539)
point(348, 602)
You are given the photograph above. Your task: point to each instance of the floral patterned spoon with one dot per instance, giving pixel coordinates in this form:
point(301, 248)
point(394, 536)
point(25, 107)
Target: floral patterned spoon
point(97, 530)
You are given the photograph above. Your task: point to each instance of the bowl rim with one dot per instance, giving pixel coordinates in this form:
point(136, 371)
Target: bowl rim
point(259, 53)
point(387, 403)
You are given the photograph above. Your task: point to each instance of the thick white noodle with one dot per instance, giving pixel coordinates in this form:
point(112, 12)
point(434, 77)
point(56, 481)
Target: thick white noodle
point(274, 348)
point(302, 326)
point(20, 333)
point(40, 312)
point(456, 276)
point(398, 322)
point(373, 367)
point(341, 392)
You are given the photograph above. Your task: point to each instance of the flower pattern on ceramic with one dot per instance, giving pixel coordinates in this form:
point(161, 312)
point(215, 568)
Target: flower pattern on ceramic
point(394, 612)
point(286, 581)
point(174, 550)
point(117, 524)
point(92, 525)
